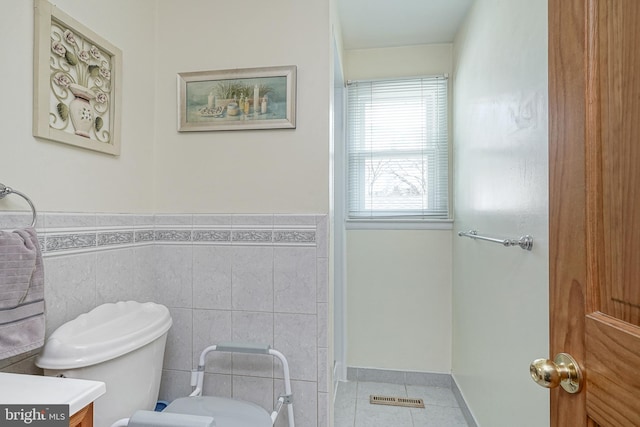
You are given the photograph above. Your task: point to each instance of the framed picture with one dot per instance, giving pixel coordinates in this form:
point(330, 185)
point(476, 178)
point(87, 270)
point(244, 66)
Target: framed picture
point(249, 98)
point(77, 85)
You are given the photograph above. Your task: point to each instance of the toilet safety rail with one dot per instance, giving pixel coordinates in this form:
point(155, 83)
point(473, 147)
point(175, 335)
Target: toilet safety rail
point(197, 376)
point(525, 242)
point(5, 191)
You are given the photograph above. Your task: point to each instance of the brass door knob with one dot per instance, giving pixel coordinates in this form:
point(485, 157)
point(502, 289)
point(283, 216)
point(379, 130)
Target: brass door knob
point(562, 371)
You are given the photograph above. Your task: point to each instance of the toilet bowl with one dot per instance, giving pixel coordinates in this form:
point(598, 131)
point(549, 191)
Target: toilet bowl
point(121, 344)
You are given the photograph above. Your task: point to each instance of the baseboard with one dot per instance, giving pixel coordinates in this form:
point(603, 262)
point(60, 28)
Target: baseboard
point(431, 379)
point(468, 415)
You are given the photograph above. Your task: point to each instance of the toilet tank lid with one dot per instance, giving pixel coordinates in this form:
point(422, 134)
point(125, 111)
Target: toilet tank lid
point(106, 332)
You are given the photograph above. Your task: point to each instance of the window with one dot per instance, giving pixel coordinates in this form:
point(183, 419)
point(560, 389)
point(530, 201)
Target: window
point(397, 149)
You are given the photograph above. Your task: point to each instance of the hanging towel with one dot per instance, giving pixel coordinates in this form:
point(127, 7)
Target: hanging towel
point(21, 292)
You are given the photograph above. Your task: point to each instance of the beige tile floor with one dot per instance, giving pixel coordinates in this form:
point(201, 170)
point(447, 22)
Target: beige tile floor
point(352, 407)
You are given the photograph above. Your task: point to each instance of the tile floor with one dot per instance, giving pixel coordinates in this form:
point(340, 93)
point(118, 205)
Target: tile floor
point(352, 407)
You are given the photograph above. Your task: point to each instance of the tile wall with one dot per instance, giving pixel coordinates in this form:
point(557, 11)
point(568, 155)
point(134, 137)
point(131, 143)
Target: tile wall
point(223, 277)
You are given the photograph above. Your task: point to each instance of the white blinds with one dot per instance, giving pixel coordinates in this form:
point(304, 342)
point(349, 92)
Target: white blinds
point(397, 149)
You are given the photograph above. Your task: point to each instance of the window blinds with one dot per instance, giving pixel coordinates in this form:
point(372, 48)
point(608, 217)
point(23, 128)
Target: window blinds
point(397, 149)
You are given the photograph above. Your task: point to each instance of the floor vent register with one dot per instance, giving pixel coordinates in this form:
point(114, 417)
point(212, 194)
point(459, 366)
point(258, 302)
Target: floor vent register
point(396, 401)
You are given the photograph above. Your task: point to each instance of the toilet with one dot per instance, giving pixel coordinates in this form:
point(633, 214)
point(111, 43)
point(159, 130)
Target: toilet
point(121, 344)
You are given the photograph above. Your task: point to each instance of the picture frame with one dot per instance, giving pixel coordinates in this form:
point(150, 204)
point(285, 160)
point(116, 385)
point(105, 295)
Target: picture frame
point(226, 99)
point(77, 83)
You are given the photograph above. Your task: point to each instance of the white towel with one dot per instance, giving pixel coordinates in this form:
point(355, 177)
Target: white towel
point(21, 293)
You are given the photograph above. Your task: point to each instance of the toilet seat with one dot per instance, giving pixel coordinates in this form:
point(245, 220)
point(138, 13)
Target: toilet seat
point(226, 412)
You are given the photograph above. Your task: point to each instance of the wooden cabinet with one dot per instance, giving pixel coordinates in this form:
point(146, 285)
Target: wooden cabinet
point(82, 418)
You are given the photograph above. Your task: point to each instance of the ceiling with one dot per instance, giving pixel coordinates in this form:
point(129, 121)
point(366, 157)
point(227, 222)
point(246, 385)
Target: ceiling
point(385, 23)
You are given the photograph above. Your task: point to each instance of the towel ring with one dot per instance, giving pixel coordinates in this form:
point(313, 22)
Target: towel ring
point(5, 191)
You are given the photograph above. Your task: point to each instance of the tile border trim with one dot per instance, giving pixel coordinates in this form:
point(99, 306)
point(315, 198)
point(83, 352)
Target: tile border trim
point(80, 232)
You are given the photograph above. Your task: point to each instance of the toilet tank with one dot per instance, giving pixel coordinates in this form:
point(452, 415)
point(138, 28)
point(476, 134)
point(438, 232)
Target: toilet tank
point(121, 344)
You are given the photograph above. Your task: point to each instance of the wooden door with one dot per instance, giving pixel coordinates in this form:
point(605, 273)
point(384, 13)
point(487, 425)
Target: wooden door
point(594, 191)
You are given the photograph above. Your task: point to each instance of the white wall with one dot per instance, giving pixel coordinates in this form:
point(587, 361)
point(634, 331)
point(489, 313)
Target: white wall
point(405, 61)
point(244, 171)
point(59, 177)
point(399, 280)
point(399, 299)
point(500, 296)
point(161, 170)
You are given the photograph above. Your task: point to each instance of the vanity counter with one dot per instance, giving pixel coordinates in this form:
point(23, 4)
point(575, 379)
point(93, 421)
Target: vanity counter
point(41, 390)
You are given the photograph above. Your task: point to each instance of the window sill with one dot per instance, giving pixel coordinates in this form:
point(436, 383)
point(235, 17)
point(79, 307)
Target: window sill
point(399, 224)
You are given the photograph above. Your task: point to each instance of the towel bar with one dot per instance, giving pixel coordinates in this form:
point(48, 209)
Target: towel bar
point(5, 191)
point(525, 242)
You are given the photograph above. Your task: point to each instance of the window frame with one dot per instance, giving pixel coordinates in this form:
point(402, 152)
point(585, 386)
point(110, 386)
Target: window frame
point(411, 218)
